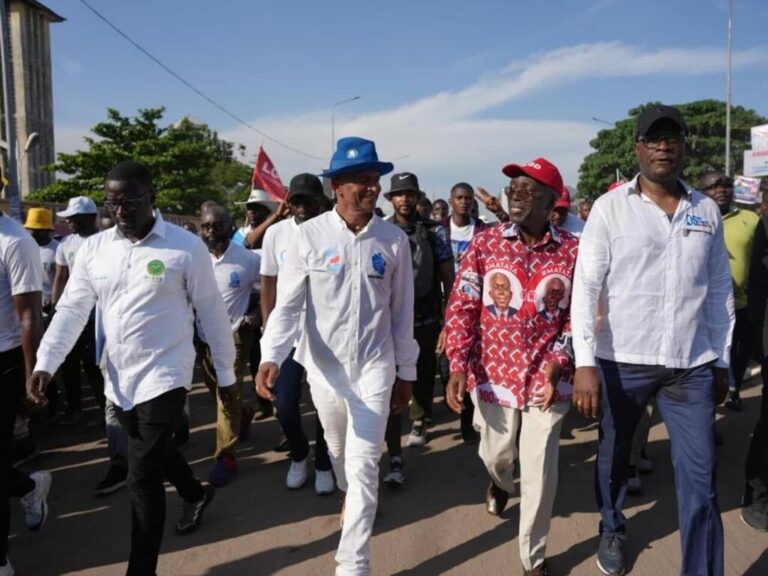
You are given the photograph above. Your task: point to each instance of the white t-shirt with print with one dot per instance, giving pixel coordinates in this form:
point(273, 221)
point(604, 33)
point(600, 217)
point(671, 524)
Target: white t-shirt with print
point(461, 236)
point(48, 259)
point(68, 247)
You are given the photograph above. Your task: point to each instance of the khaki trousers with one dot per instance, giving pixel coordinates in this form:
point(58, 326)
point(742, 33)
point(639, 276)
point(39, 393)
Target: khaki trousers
point(229, 413)
point(539, 448)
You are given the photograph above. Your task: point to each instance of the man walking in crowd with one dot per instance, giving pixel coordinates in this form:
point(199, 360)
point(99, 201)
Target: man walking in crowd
point(148, 278)
point(432, 268)
point(738, 229)
point(461, 228)
point(561, 214)
point(520, 370)
point(653, 253)
point(40, 224)
point(440, 210)
point(261, 212)
point(754, 510)
point(585, 207)
point(236, 270)
point(81, 215)
point(305, 194)
point(353, 273)
point(21, 326)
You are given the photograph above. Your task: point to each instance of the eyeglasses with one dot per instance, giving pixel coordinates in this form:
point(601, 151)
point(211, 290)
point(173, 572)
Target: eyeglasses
point(124, 205)
point(654, 142)
point(521, 192)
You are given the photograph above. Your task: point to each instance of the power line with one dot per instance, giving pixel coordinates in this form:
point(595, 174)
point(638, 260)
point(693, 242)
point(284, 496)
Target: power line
point(194, 89)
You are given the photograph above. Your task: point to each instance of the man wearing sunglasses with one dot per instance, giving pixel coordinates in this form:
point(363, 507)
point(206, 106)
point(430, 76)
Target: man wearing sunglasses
point(652, 254)
point(739, 229)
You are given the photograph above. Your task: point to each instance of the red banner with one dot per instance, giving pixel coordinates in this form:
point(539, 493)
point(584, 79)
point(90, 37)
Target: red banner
point(266, 177)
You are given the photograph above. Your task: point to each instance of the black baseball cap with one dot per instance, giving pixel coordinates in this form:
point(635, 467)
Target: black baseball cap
point(653, 114)
point(305, 185)
point(403, 181)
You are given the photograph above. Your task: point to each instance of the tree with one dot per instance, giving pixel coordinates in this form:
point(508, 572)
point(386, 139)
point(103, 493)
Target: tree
point(190, 164)
point(614, 147)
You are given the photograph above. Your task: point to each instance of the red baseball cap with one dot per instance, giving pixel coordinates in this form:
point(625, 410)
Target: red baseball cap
point(565, 199)
point(541, 170)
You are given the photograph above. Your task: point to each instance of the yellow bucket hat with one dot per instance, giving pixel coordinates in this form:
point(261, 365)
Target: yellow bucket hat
point(39, 219)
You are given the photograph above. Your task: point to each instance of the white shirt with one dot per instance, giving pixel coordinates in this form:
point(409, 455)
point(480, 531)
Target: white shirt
point(274, 248)
point(146, 293)
point(67, 249)
point(48, 259)
point(664, 287)
point(573, 224)
point(358, 293)
point(461, 236)
point(236, 272)
point(20, 273)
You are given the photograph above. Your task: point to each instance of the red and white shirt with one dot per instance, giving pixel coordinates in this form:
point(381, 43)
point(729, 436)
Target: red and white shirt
point(508, 316)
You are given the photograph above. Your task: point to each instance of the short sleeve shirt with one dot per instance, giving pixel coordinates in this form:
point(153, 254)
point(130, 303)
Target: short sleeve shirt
point(48, 259)
point(68, 247)
point(21, 272)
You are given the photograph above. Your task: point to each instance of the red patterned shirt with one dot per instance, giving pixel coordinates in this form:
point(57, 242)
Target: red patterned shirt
point(508, 316)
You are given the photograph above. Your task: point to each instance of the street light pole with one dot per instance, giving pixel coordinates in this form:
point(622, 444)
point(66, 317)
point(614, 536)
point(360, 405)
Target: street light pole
point(728, 92)
point(333, 118)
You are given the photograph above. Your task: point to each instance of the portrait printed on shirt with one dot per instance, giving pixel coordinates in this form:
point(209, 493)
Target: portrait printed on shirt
point(552, 289)
point(502, 293)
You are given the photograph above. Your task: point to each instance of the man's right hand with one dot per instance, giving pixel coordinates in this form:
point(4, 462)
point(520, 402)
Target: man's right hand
point(586, 391)
point(455, 390)
point(36, 386)
point(265, 380)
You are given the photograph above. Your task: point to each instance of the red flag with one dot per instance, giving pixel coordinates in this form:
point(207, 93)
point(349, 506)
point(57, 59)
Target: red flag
point(266, 177)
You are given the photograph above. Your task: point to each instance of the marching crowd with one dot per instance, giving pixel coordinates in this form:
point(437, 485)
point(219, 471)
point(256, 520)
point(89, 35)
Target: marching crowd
point(651, 298)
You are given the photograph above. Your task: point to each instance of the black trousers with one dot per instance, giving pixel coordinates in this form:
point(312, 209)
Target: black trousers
point(153, 458)
point(12, 482)
point(83, 355)
point(757, 457)
point(742, 346)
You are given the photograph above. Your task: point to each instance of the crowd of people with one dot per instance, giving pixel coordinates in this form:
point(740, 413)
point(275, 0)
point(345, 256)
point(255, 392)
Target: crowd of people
point(652, 296)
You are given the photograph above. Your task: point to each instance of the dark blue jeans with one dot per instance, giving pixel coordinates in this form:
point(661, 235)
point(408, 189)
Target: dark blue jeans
point(287, 392)
point(686, 401)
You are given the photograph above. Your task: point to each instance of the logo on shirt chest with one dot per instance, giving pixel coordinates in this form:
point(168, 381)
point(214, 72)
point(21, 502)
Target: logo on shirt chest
point(332, 260)
point(234, 279)
point(694, 223)
point(378, 263)
point(155, 268)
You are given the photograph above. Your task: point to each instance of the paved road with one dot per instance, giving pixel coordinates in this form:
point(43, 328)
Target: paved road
point(435, 524)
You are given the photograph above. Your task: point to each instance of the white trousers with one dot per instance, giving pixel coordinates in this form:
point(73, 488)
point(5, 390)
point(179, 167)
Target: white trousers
point(539, 449)
point(354, 431)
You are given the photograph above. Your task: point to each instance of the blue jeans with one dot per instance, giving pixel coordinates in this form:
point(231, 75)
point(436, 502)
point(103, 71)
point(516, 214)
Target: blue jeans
point(287, 392)
point(686, 401)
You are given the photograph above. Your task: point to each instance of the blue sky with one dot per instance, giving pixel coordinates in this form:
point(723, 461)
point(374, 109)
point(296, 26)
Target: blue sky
point(453, 89)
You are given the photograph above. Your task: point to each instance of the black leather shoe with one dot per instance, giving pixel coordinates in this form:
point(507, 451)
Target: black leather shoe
point(495, 500)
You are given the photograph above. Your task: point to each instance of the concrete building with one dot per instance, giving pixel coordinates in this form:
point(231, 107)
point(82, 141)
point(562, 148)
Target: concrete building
point(30, 53)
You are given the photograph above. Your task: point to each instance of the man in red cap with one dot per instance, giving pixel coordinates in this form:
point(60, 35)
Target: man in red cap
point(561, 214)
point(519, 370)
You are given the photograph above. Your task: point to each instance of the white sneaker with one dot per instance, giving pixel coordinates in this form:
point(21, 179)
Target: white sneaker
point(7, 570)
point(324, 482)
point(418, 435)
point(35, 504)
point(297, 475)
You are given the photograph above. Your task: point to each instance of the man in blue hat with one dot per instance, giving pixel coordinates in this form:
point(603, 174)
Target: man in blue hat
point(352, 271)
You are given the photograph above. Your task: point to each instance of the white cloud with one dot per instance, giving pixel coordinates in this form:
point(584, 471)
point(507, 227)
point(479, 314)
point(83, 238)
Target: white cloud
point(442, 136)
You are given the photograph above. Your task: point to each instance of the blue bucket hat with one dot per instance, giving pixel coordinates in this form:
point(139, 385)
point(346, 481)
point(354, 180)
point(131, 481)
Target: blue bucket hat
point(355, 154)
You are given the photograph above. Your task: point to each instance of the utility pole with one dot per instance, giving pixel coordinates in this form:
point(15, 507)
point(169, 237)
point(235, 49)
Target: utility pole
point(728, 91)
point(12, 192)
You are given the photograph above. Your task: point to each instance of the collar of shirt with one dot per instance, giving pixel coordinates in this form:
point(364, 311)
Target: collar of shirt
point(344, 226)
point(633, 187)
point(551, 235)
point(158, 229)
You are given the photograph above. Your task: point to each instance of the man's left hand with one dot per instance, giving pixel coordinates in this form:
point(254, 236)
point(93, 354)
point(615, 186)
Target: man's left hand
point(401, 395)
point(721, 384)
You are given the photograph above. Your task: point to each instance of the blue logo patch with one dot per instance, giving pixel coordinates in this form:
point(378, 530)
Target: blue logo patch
point(693, 220)
point(234, 280)
point(379, 264)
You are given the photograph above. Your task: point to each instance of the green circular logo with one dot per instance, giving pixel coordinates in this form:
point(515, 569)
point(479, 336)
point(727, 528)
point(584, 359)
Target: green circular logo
point(155, 268)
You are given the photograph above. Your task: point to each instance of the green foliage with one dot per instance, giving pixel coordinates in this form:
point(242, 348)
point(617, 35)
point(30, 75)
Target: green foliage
point(190, 163)
point(614, 147)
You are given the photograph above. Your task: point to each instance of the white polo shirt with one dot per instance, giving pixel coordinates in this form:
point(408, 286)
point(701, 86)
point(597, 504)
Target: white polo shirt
point(146, 293)
point(20, 273)
point(358, 293)
point(664, 287)
point(48, 259)
point(67, 249)
point(274, 247)
point(237, 273)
